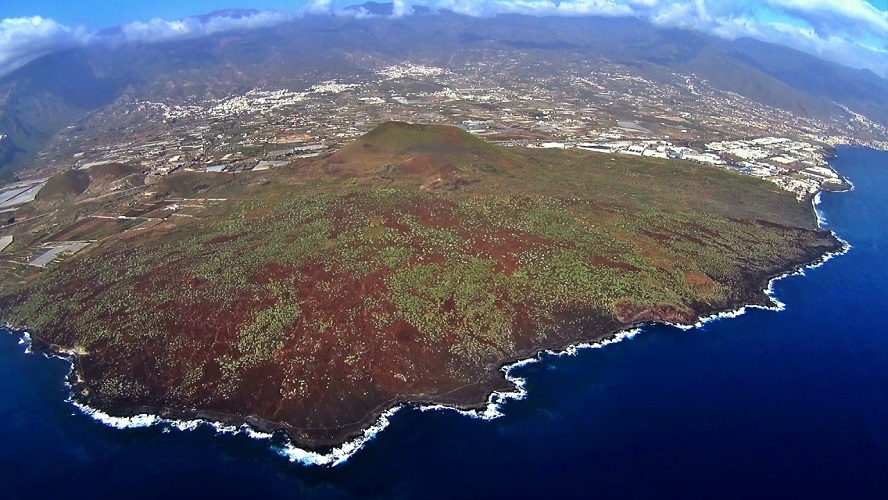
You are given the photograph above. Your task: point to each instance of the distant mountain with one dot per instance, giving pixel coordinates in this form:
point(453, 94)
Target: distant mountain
point(859, 89)
point(115, 31)
point(639, 44)
point(383, 9)
point(229, 13)
point(375, 8)
point(8, 151)
point(42, 97)
point(50, 92)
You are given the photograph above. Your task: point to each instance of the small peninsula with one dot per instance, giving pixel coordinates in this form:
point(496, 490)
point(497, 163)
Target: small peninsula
point(408, 266)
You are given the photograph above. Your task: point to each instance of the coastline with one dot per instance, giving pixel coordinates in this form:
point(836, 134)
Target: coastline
point(187, 420)
point(379, 419)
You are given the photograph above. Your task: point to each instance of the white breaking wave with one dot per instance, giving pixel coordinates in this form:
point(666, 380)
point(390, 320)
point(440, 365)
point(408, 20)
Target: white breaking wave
point(821, 219)
point(24, 336)
point(492, 410)
point(133, 422)
point(342, 452)
point(776, 304)
point(496, 399)
point(26, 341)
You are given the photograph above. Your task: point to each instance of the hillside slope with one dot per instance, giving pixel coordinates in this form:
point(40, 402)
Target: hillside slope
point(312, 300)
point(39, 98)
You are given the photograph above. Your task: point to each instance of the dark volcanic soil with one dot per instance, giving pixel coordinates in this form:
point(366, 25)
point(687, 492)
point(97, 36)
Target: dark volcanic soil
point(314, 305)
point(260, 402)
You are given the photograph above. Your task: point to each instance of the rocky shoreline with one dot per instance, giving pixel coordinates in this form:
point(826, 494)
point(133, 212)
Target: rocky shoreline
point(493, 389)
point(324, 361)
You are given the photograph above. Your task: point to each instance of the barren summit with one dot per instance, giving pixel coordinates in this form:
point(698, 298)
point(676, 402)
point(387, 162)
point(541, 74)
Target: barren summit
point(409, 266)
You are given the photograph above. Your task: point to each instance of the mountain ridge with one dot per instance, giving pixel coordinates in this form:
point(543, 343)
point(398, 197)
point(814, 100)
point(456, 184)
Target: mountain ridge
point(56, 89)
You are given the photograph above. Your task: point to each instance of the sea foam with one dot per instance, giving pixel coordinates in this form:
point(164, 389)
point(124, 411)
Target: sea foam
point(342, 452)
point(496, 399)
point(492, 409)
point(776, 305)
point(26, 341)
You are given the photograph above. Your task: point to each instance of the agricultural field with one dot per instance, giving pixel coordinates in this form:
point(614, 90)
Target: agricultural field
point(408, 266)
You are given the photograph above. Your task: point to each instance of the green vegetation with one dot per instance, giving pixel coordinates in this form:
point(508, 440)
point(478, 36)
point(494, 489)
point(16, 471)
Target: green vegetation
point(316, 289)
point(268, 332)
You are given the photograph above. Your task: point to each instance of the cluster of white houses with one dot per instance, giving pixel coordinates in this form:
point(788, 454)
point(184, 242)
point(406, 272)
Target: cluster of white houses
point(796, 166)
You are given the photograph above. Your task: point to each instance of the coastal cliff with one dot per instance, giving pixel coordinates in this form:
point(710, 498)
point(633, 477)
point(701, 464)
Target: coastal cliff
point(410, 266)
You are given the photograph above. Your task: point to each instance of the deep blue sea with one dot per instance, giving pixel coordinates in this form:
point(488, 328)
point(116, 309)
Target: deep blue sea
point(766, 405)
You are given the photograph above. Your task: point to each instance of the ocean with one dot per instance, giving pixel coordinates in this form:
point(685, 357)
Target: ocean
point(768, 404)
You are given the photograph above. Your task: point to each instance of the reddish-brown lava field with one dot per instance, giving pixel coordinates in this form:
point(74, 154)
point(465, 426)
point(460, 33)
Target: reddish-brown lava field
point(408, 267)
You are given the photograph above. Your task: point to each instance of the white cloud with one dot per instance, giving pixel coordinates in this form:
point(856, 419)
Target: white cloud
point(831, 29)
point(157, 30)
point(401, 8)
point(23, 39)
point(319, 6)
point(540, 7)
point(828, 16)
point(852, 32)
point(807, 39)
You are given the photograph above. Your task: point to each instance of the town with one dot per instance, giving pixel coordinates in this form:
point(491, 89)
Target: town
point(518, 101)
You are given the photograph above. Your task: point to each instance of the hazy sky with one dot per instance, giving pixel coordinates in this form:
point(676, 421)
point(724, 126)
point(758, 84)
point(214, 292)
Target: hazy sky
point(853, 32)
